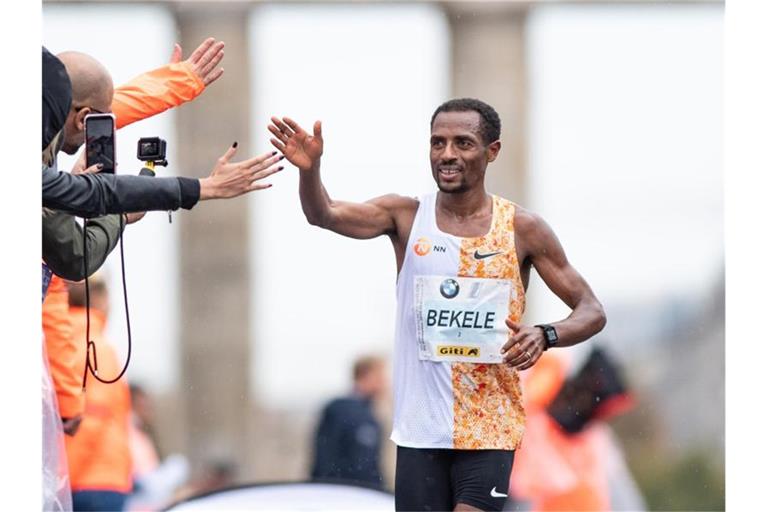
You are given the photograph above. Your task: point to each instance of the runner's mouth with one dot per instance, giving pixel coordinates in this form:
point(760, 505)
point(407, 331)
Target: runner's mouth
point(448, 170)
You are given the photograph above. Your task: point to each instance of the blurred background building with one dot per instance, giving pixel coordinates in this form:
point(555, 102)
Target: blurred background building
point(246, 319)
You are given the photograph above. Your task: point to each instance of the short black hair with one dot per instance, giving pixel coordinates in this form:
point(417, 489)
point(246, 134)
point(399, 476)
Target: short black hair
point(490, 123)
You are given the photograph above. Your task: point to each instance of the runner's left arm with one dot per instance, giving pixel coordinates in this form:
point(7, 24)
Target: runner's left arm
point(547, 256)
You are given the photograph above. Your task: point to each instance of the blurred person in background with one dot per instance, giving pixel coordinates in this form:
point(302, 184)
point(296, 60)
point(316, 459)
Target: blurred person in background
point(459, 413)
point(570, 458)
point(347, 444)
point(215, 475)
point(156, 480)
point(143, 440)
point(99, 456)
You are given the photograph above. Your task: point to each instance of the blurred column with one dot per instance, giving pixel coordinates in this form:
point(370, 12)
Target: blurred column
point(214, 248)
point(489, 64)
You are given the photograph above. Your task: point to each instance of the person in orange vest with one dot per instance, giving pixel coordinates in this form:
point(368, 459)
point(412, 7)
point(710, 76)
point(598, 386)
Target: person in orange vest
point(99, 456)
point(569, 459)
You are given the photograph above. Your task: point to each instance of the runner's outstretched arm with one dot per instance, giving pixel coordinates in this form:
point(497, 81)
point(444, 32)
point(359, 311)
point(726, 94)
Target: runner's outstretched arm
point(356, 220)
point(540, 245)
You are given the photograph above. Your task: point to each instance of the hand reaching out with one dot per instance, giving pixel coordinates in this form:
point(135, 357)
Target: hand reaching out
point(204, 59)
point(300, 148)
point(237, 178)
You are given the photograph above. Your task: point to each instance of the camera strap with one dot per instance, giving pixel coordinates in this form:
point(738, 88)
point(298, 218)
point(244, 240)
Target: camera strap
point(93, 369)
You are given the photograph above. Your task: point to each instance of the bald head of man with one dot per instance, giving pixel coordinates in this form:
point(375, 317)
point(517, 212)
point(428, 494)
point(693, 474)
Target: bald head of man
point(92, 91)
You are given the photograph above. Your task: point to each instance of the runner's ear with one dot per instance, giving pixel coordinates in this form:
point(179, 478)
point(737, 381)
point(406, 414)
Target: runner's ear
point(492, 151)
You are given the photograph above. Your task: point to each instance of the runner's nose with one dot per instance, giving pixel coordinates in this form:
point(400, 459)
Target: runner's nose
point(449, 154)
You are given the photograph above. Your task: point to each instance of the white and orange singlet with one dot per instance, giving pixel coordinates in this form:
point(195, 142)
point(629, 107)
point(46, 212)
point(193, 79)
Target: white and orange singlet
point(451, 388)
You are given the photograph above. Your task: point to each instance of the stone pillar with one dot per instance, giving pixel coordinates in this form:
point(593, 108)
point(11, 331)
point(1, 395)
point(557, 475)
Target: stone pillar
point(214, 259)
point(489, 64)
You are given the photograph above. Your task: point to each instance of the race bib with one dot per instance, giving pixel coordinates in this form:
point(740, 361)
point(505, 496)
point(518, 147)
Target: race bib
point(461, 318)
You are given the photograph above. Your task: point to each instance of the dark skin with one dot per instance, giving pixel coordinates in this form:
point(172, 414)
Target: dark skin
point(459, 157)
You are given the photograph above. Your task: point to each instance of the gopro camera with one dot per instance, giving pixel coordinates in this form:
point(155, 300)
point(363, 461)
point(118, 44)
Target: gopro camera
point(151, 149)
point(100, 141)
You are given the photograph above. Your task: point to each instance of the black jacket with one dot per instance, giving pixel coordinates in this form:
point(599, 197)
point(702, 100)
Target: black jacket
point(348, 443)
point(93, 195)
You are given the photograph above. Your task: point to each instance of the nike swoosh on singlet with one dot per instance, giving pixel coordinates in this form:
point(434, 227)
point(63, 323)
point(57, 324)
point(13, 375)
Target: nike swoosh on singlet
point(479, 256)
point(495, 494)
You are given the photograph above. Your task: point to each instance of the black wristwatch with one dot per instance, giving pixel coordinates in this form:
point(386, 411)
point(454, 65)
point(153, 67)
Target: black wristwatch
point(550, 335)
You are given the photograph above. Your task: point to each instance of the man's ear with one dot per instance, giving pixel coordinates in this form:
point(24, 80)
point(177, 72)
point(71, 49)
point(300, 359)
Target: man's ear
point(80, 118)
point(493, 150)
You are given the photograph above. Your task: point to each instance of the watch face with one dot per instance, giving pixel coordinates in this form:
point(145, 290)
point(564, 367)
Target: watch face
point(551, 335)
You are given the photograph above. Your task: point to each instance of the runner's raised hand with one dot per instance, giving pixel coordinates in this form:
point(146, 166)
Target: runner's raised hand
point(300, 148)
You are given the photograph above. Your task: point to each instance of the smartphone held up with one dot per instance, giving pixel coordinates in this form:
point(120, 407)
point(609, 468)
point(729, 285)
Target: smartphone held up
point(100, 141)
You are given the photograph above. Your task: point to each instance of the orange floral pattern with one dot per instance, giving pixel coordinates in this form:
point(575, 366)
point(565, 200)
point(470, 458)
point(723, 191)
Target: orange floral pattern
point(488, 406)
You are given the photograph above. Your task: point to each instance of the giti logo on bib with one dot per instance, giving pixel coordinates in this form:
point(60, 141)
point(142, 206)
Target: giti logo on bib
point(461, 318)
point(448, 350)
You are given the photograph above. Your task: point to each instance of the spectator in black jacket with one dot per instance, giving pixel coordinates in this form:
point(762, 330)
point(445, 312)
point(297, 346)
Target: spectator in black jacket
point(89, 195)
point(348, 436)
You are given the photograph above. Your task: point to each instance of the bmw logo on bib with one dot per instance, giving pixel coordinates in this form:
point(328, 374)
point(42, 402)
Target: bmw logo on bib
point(449, 288)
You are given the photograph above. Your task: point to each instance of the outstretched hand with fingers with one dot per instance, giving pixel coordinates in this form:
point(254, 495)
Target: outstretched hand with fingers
point(300, 148)
point(203, 60)
point(232, 179)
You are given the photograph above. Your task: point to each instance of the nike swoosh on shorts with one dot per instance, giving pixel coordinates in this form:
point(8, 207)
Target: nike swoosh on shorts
point(495, 494)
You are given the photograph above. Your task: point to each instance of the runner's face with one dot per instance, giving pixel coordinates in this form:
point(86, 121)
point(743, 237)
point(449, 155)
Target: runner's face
point(457, 151)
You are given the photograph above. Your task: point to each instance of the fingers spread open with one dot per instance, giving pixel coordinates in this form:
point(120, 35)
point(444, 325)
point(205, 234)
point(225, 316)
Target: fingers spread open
point(211, 56)
point(229, 153)
point(282, 127)
point(212, 77)
point(259, 186)
point(293, 125)
point(200, 50)
point(261, 159)
point(211, 64)
point(279, 145)
point(264, 173)
point(277, 133)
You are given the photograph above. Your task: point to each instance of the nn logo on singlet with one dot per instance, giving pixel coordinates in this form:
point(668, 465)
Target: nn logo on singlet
point(453, 350)
point(423, 246)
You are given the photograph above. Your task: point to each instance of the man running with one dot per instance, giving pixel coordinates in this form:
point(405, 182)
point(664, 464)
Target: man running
point(464, 259)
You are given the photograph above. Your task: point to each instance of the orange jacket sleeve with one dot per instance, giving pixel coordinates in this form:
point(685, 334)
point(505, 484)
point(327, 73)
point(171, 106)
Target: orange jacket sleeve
point(62, 350)
point(154, 92)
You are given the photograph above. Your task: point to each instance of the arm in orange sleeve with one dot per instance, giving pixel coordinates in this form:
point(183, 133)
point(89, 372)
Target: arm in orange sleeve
point(62, 350)
point(156, 91)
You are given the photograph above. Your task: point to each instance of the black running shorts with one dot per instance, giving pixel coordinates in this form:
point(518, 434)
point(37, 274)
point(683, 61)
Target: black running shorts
point(439, 479)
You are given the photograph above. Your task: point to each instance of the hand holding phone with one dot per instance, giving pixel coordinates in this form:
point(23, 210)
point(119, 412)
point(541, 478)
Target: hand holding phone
point(100, 141)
